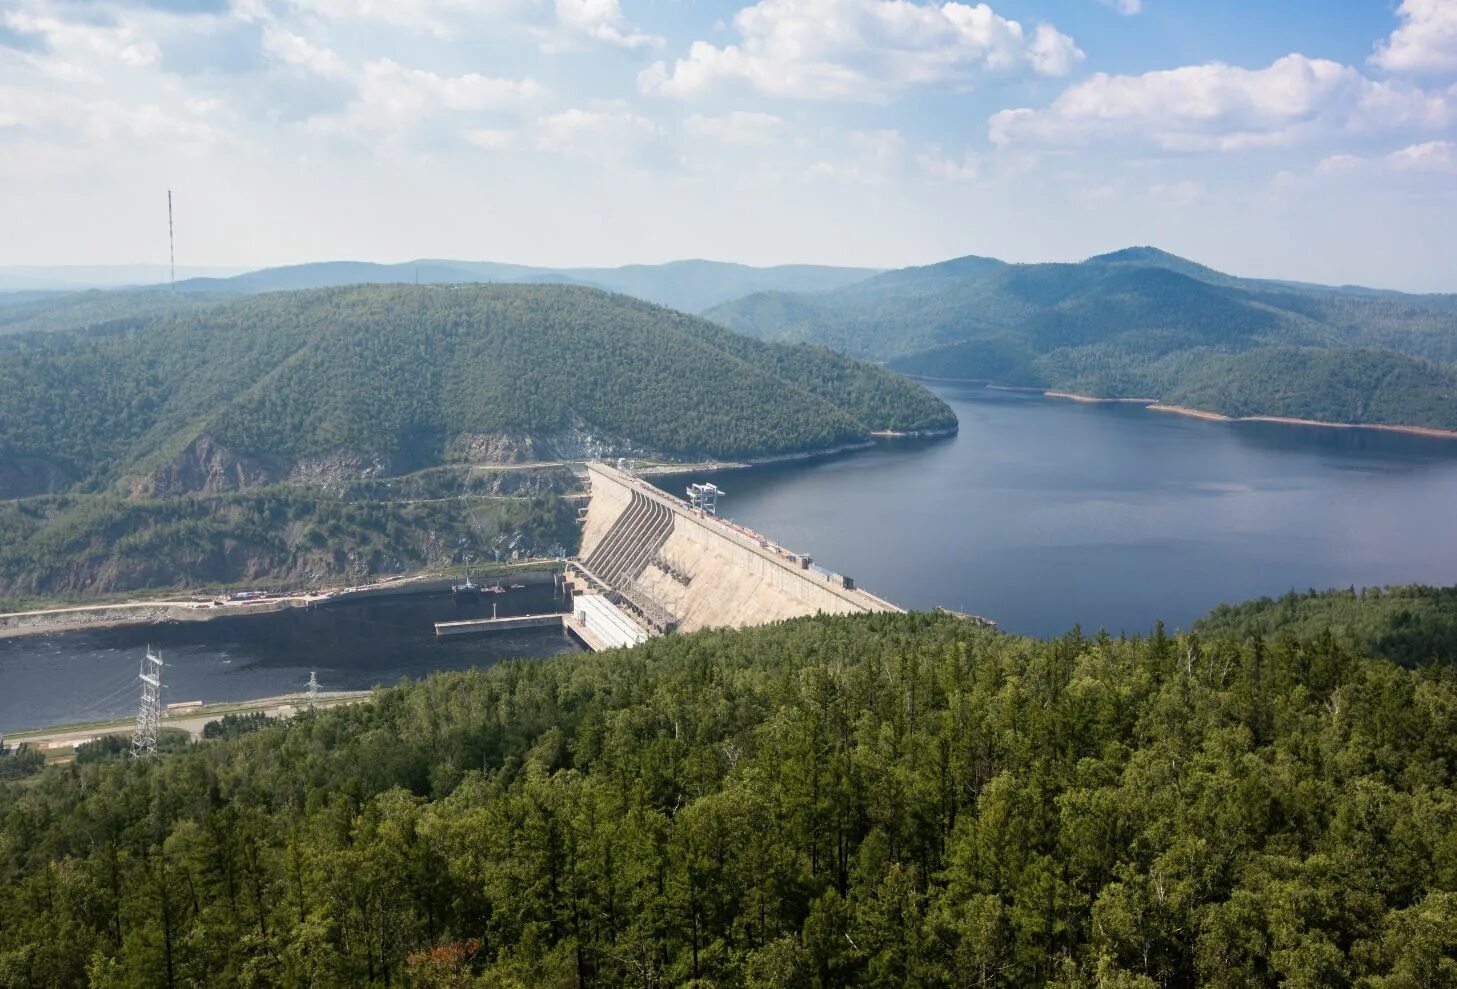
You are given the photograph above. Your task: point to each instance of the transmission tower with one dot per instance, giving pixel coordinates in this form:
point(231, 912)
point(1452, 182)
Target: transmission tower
point(149, 713)
point(313, 687)
point(171, 244)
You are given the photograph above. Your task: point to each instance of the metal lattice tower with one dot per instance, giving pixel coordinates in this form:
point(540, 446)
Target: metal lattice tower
point(171, 244)
point(149, 713)
point(313, 687)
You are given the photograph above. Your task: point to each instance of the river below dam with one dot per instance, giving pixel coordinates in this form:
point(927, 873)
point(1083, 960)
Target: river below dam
point(1040, 513)
point(91, 675)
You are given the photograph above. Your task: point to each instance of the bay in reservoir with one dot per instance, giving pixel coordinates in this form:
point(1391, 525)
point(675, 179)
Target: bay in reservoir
point(1042, 513)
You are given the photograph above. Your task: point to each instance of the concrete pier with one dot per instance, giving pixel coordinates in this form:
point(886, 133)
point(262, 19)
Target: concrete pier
point(480, 626)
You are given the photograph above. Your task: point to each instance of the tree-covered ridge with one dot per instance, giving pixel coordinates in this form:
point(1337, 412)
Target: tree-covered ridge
point(1141, 323)
point(1412, 625)
point(395, 373)
point(887, 800)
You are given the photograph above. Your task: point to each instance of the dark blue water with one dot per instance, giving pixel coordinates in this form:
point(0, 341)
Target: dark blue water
point(92, 675)
point(1043, 513)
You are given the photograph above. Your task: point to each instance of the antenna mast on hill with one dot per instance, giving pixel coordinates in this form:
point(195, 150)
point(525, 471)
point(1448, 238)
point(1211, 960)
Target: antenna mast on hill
point(149, 713)
point(171, 243)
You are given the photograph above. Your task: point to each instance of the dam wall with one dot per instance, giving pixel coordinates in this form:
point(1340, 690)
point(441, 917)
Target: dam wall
point(693, 571)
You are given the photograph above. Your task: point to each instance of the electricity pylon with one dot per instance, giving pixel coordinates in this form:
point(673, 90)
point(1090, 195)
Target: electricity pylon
point(149, 713)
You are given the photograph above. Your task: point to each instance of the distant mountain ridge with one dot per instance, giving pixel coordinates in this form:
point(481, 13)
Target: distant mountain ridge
point(690, 286)
point(1141, 322)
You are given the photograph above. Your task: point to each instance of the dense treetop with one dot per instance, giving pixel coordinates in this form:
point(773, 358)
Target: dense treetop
point(1141, 323)
point(889, 800)
point(396, 372)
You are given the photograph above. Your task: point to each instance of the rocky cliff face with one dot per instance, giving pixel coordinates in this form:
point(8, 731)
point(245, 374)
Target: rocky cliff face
point(207, 467)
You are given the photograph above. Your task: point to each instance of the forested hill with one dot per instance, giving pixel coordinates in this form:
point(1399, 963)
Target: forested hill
point(887, 800)
point(1141, 323)
point(389, 378)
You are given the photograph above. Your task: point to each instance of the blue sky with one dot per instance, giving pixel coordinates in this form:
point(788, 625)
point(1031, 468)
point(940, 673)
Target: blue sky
point(1298, 139)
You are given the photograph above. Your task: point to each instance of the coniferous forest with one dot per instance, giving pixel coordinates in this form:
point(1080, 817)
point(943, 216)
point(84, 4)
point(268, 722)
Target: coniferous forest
point(890, 800)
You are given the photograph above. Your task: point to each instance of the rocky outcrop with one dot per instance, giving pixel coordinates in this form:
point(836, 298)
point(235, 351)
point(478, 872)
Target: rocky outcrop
point(498, 448)
point(207, 466)
point(21, 477)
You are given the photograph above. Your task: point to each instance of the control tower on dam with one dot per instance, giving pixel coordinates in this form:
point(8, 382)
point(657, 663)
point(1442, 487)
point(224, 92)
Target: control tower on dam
point(677, 565)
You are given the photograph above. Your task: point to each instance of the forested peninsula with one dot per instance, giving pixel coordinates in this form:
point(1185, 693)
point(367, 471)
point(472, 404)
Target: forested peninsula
point(147, 444)
point(885, 800)
point(1142, 323)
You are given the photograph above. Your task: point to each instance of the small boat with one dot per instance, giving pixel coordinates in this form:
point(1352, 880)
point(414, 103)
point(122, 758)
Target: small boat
point(466, 593)
point(518, 587)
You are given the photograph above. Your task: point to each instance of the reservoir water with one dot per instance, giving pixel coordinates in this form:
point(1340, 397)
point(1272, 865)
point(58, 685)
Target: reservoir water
point(1040, 514)
point(92, 675)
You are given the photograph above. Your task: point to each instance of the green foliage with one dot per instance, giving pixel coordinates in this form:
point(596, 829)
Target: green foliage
point(884, 800)
point(1411, 626)
point(1141, 324)
point(390, 374)
point(17, 764)
point(76, 545)
point(237, 725)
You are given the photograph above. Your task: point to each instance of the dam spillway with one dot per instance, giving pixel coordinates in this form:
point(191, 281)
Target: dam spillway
point(680, 567)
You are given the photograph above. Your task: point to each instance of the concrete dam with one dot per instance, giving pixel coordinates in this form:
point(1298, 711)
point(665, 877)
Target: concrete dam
point(672, 565)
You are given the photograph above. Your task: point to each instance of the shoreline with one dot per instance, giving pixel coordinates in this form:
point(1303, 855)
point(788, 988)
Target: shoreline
point(915, 434)
point(67, 618)
point(1154, 405)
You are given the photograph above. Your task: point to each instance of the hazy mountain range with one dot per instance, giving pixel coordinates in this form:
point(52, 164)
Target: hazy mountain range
point(1139, 323)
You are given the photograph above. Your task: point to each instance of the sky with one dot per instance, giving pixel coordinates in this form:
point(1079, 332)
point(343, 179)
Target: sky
point(1311, 139)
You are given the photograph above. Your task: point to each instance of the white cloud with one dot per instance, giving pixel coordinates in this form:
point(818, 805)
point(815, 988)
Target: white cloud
point(1427, 158)
point(294, 50)
point(602, 20)
point(1224, 107)
point(77, 45)
point(89, 128)
point(862, 49)
point(1426, 41)
point(871, 157)
point(736, 127)
point(392, 96)
point(438, 17)
point(966, 169)
point(1124, 7)
point(491, 138)
point(1431, 156)
point(610, 132)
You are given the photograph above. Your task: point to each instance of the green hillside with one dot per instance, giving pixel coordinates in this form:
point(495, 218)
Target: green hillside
point(887, 800)
point(1412, 625)
point(1140, 323)
point(382, 379)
